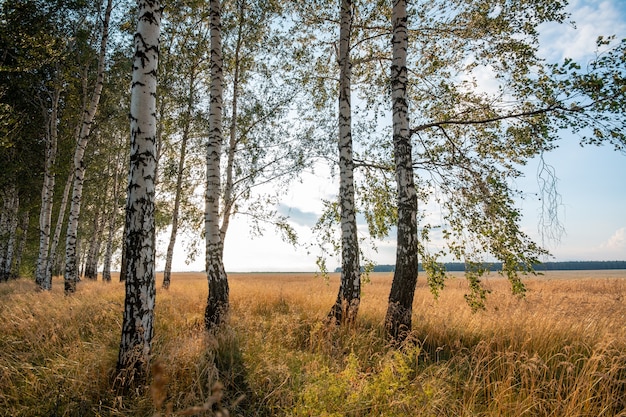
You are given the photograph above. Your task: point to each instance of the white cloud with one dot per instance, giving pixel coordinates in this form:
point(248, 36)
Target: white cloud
point(616, 241)
point(592, 19)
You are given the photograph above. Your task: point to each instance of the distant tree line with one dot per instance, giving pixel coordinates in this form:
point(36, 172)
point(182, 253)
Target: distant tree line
point(544, 266)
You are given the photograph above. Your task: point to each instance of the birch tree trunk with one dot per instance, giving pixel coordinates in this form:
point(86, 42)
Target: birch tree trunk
point(108, 254)
point(15, 273)
point(348, 298)
point(232, 142)
point(217, 301)
point(8, 228)
point(4, 228)
point(399, 310)
point(137, 325)
point(47, 194)
point(13, 220)
point(71, 273)
point(57, 230)
point(5, 210)
point(123, 262)
point(167, 272)
point(91, 263)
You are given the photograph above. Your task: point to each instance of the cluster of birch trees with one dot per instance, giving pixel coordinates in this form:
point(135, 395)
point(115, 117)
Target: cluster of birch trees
point(230, 99)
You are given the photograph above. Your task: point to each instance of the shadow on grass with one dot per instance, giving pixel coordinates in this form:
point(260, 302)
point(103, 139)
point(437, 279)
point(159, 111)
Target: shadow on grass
point(239, 398)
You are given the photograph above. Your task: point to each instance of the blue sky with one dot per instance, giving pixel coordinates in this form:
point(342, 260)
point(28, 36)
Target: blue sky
point(591, 180)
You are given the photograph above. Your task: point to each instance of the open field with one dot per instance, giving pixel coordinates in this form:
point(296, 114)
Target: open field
point(560, 351)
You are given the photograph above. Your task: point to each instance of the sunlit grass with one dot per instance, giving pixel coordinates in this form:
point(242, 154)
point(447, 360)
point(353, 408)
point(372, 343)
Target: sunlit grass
point(560, 351)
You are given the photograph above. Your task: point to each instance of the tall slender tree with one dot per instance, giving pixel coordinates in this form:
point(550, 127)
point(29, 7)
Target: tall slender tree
point(112, 219)
point(138, 320)
point(179, 183)
point(470, 141)
point(347, 304)
point(187, 37)
point(52, 259)
point(398, 318)
point(9, 220)
point(71, 271)
point(24, 223)
point(47, 190)
point(217, 302)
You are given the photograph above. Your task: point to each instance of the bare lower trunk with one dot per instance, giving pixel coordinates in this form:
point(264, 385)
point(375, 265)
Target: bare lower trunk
point(217, 301)
point(348, 299)
point(108, 254)
point(71, 273)
point(399, 311)
point(5, 271)
point(138, 320)
point(8, 228)
point(47, 196)
point(91, 263)
point(20, 249)
point(57, 230)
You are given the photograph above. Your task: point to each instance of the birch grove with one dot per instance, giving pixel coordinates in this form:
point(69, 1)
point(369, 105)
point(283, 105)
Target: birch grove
point(418, 111)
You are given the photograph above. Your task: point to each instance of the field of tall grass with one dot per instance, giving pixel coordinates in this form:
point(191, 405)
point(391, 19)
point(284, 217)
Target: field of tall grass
point(560, 351)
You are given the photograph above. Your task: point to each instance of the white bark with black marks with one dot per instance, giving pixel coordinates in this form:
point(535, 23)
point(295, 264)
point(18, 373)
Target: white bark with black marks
point(399, 311)
point(217, 301)
point(138, 320)
point(47, 192)
point(348, 299)
point(9, 219)
point(15, 271)
point(71, 272)
point(93, 254)
point(108, 253)
point(52, 262)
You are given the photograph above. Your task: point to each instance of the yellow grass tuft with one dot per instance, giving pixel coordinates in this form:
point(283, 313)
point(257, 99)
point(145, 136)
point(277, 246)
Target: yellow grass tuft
point(561, 351)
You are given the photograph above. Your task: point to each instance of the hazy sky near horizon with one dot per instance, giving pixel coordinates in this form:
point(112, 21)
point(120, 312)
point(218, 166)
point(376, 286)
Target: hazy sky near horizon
point(591, 181)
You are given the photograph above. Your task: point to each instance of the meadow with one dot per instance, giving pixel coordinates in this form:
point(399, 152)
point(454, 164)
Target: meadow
point(560, 351)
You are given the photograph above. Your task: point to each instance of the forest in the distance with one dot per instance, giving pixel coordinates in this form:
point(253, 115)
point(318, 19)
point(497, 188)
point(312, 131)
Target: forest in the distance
point(544, 266)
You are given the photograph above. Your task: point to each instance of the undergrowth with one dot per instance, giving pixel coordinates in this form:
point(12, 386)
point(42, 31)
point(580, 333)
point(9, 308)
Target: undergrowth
point(561, 351)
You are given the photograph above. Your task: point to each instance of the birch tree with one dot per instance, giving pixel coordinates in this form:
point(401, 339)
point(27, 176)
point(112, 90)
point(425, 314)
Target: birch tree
point(467, 142)
point(112, 222)
point(71, 272)
point(259, 148)
point(9, 220)
point(24, 225)
point(217, 302)
point(347, 305)
point(52, 259)
point(47, 191)
point(138, 320)
point(359, 27)
point(398, 318)
point(187, 36)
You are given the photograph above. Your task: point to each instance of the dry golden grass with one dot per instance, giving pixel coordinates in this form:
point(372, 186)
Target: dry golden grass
point(560, 351)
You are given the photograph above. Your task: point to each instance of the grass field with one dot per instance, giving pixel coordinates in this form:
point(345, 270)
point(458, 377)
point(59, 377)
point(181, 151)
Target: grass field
point(560, 351)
